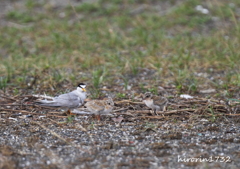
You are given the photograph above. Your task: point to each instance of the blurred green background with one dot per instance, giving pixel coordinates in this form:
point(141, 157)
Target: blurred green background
point(187, 44)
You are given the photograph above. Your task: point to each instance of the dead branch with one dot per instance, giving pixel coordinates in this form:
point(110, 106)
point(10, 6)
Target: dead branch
point(128, 102)
point(164, 113)
point(21, 111)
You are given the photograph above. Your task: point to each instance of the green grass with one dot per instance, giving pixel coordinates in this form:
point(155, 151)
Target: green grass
point(121, 95)
point(103, 41)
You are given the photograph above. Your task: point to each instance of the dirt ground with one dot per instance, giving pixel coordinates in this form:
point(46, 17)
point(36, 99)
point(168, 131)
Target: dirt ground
point(192, 133)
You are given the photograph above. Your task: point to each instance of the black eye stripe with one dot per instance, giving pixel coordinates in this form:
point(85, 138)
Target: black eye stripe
point(148, 95)
point(81, 85)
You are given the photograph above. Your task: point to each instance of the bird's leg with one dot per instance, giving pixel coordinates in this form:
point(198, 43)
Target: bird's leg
point(152, 112)
point(164, 108)
point(98, 117)
point(155, 112)
point(69, 112)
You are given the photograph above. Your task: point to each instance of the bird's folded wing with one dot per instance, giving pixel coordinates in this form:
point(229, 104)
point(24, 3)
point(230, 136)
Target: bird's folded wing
point(67, 100)
point(158, 100)
point(94, 105)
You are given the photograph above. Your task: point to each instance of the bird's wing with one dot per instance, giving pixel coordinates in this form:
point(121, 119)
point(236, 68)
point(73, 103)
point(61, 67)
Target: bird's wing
point(158, 100)
point(108, 109)
point(74, 95)
point(95, 105)
point(68, 100)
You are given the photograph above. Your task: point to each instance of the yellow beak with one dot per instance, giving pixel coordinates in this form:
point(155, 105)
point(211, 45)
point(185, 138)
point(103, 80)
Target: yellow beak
point(84, 89)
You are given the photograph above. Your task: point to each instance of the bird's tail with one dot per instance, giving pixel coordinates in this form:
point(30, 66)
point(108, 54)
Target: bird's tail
point(46, 103)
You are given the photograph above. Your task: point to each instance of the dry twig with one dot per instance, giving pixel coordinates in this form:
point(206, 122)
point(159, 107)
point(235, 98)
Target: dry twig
point(58, 136)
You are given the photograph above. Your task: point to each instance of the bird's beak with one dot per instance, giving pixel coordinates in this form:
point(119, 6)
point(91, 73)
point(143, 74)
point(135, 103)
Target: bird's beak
point(84, 89)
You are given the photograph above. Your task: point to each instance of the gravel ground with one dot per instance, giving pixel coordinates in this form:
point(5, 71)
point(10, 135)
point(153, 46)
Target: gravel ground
point(126, 141)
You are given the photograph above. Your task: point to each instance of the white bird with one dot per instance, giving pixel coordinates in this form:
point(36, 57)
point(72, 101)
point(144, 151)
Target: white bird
point(156, 103)
point(99, 107)
point(66, 101)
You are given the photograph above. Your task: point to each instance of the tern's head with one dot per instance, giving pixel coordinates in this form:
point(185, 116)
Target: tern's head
point(81, 87)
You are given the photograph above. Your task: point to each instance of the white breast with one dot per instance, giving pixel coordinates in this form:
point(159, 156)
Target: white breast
point(149, 103)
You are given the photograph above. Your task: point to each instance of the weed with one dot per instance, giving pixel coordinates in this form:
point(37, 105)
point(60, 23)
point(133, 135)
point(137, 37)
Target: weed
point(149, 126)
point(236, 100)
point(3, 83)
point(125, 80)
point(153, 90)
point(57, 77)
point(88, 7)
point(70, 118)
point(192, 87)
point(98, 77)
point(142, 87)
point(213, 116)
point(91, 126)
point(121, 95)
point(30, 4)
point(20, 17)
point(9, 70)
point(16, 91)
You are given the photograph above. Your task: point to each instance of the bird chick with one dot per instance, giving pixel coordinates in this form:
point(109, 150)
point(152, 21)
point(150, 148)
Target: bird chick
point(99, 107)
point(156, 103)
